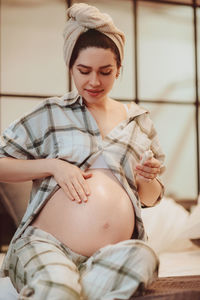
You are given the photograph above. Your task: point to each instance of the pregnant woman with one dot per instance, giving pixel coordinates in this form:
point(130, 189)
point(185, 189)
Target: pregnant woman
point(82, 236)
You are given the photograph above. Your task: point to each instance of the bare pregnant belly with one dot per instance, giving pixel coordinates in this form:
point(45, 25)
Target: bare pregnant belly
point(106, 218)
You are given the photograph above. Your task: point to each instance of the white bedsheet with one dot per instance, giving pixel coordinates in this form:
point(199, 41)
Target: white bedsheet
point(7, 291)
point(183, 263)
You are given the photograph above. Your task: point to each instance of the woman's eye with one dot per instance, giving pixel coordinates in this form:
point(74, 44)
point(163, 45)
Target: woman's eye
point(84, 72)
point(102, 73)
point(106, 73)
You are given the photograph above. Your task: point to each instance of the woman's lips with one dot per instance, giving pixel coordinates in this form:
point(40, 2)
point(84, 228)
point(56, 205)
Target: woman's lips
point(94, 92)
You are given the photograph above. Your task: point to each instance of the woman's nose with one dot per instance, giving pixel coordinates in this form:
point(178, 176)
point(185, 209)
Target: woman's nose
point(94, 79)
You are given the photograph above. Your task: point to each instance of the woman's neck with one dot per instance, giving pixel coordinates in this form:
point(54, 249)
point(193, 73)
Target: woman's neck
point(103, 105)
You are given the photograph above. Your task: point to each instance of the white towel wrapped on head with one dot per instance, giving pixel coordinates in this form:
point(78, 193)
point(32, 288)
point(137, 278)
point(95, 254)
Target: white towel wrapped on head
point(83, 17)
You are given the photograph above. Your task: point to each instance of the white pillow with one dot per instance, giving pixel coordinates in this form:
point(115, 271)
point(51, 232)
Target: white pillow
point(165, 225)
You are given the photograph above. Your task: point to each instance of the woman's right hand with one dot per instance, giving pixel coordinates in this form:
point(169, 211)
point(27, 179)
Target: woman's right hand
point(72, 180)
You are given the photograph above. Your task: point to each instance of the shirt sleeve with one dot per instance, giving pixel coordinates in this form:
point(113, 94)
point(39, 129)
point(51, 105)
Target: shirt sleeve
point(148, 127)
point(22, 139)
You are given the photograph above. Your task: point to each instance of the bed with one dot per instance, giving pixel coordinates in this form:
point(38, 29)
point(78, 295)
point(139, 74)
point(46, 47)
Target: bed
point(174, 234)
point(178, 249)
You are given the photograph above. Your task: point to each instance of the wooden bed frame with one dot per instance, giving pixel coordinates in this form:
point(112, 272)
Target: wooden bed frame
point(172, 288)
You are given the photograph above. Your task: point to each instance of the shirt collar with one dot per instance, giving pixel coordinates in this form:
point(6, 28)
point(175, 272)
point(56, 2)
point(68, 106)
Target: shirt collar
point(136, 110)
point(73, 97)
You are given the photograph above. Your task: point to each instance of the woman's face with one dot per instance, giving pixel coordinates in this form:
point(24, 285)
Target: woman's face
point(94, 73)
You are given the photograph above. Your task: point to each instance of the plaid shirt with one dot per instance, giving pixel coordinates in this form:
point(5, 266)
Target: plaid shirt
point(64, 128)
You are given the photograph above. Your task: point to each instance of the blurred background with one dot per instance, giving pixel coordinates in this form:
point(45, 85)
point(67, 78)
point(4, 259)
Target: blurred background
point(161, 70)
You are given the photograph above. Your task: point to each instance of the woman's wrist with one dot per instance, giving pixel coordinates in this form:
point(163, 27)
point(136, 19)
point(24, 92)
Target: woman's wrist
point(149, 191)
point(50, 165)
point(141, 181)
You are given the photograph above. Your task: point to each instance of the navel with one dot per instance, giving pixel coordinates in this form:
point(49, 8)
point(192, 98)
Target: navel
point(106, 225)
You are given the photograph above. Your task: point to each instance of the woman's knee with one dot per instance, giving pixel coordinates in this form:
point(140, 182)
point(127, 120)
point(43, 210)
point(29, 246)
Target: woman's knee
point(48, 289)
point(36, 267)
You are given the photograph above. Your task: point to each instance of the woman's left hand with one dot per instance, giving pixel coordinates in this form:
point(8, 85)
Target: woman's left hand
point(149, 170)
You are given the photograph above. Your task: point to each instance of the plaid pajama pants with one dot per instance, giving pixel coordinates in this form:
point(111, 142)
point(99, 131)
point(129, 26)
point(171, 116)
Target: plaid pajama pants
point(42, 268)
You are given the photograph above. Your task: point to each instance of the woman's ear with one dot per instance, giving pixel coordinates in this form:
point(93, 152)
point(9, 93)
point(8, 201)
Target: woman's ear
point(118, 72)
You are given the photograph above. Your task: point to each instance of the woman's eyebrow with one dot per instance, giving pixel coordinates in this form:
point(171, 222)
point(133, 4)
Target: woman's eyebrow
point(107, 66)
point(88, 67)
point(83, 66)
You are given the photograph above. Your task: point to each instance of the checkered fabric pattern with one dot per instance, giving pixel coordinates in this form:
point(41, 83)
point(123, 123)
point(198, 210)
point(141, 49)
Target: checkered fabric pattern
point(64, 128)
point(43, 268)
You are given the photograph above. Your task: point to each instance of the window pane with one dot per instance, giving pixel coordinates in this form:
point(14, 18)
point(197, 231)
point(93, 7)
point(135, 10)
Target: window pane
point(122, 14)
point(166, 52)
point(31, 49)
point(13, 108)
point(175, 125)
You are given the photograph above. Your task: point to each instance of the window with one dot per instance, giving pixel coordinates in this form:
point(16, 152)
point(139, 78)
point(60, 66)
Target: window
point(31, 54)
point(161, 70)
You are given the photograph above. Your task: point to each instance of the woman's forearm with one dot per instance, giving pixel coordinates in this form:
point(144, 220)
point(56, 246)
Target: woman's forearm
point(149, 192)
point(17, 170)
